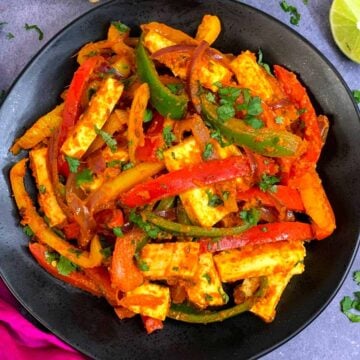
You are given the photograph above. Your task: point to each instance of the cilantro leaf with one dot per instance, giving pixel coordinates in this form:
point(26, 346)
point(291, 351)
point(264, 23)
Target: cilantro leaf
point(10, 35)
point(65, 266)
point(108, 139)
point(106, 252)
point(73, 163)
point(51, 256)
point(292, 10)
point(356, 95)
point(215, 134)
point(254, 122)
point(213, 199)
point(268, 182)
point(127, 166)
point(148, 115)
point(210, 97)
point(225, 195)
point(159, 153)
point(141, 264)
point(114, 163)
point(28, 231)
point(117, 231)
point(254, 106)
point(175, 88)
point(151, 230)
point(28, 27)
point(225, 112)
point(279, 120)
point(168, 135)
point(208, 151)
point(250, 217)
point(356, 277)
point(84, 176)
point(120, 26)
point(229, 94)
point(261, 63)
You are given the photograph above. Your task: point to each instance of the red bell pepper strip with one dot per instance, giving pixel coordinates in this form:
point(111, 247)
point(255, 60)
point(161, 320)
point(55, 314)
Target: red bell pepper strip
point(284, 196)
point(298, 95)
point(190, 177)
point(76, 278)
point(72, 105)
point(153, 140)
point(124, 274)
point(260, 234)
point(261, 164)
point(151, 324)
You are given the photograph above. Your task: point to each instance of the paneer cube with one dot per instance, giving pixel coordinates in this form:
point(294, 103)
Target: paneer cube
point(258, 260)
point(196, 201)
point(47, 198)
point(148, 299)
point(205, 289)
point(170, 260)
point(265, 307)
point(100, 107)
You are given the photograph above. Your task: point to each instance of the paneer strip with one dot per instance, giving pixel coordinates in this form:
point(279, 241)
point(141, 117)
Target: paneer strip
point(100, 108)
point(170, 260)
point(265, 307)
point(42, 129)
point(148, 299)
point(212, 71)
point(196, 201)
point(258, 260)
point(209, 29)
point(115, 123)
point(47, 198)
point(205, 288)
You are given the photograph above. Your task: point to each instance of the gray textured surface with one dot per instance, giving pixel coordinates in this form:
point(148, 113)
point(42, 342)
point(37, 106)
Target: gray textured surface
point(331, 335)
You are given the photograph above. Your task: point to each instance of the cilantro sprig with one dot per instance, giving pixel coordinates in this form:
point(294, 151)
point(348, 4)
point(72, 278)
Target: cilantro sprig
point(108, 139)
point(168, 135)
point(268, 183)
point(251, 216)
point(261, 62)
point(295, 16)
point(350, 307)
point(28, 27)
point(214, 200)
point(151, 230)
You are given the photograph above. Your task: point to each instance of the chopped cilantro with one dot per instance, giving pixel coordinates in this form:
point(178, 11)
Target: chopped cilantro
point(254, 106)
point(356, 95)
point(356, 277)
point(213, 199)
point(279, 120)
point(208, 151)
point(268, 182)
point(77, 252)
point(207, 277)
point(51, 256)
point(65, 266)
point(42, 189)
point(106, 252)
point(229, 94)
point(254, 122)
point(175, 88)
point(73, 163)
point(168, 135)
point(210, 97)
point(251, 216)
point(117, 231)
point(142, 265)
point(84, 176)
point(120, 26)
point(127, 166)
point(261, 63)
point(114, 163)
point(218, 84)
point(348, 304)
point(10, 35)
point(28, 231)
point(148, 115)
point(225, 112)
point(292, 10)
point(108, 139)
point(208, 297)
point(160, 153)
point(36, 28)
point(151, 230)
point(215, 134)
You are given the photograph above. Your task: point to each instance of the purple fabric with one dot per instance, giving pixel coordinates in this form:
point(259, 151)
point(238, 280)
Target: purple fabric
point(21, 340)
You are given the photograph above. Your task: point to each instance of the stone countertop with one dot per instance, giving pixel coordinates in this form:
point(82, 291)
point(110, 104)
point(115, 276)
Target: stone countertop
point(331, 335)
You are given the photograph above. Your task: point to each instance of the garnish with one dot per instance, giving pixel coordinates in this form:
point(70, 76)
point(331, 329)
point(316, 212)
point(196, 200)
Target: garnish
point(127, 166)
point(168, 135)
point(117, 231)
point(295, 16)
point(42, 189)
point(348, 304)
point(261, 63)
point(73, 163)
point(208, 151)
point(175, 88)
point(28, 231)
point(84, 176)
point(250, 217)
point(148, 115)
point(207, 277)
point(356, 95)
point(213, 199)
point(36, 28)
point(225, 112)
point(108, 139)
point(279, 120)
point(215, 134)
point(65, 266)
point(151, 230)
point(120, 26)
point(267, 183)
point(159, 153)
point(10, 35)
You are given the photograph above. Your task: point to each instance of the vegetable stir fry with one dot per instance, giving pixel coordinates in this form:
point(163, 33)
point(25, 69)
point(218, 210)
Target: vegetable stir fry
point(174, 180)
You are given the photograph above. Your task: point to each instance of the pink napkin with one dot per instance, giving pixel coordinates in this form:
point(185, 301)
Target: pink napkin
point(21, 340)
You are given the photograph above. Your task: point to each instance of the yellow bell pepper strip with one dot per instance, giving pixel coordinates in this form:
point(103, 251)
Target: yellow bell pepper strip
point(112, 188)
point(265, 141)
point(187, 178)
point(260, 234)
point(42, 129)
point(186, 313)
point(209, 29)
point(163, 100)
point(197, 231)
point(42, 231)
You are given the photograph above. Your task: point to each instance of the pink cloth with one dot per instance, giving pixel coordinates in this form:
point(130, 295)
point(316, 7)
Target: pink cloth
point(21, 340)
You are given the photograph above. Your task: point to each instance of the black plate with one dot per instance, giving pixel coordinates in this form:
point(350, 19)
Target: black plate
point(88, 323)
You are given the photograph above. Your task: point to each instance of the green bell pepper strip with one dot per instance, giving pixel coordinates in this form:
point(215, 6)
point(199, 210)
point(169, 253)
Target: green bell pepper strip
point(191, 230)
point(166, 203)
point(265, 141)
point(163, 100)
point(186, 313)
